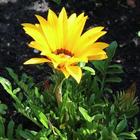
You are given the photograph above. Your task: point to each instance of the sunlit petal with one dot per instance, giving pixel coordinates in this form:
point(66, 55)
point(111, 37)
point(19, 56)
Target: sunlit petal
point(65, 72)
point(61, 42)
point(36, 61)
point(75, 72)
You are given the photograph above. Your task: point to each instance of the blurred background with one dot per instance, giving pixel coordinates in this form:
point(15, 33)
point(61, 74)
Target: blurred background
point(121, 19)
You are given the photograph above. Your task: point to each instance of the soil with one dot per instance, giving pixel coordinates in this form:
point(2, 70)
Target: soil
point(121, 19)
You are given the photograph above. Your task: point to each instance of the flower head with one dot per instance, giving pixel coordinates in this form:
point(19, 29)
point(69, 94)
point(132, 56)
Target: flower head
point(62, 43)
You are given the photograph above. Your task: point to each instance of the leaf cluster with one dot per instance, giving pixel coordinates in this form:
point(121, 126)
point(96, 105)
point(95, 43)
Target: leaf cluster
point(88, 110)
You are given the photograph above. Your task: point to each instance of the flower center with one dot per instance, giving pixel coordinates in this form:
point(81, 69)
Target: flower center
point(63, 52)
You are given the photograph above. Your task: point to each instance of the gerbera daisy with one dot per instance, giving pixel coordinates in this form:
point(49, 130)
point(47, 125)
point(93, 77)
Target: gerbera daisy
point(62, 43)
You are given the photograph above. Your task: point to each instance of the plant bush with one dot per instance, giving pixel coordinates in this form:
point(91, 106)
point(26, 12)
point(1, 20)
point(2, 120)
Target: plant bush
point(89, 110)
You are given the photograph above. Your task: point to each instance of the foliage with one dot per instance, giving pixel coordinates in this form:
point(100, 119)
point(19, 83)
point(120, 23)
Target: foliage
point(126, 102)
point(9, 130)
point(57, 1)
point(108, 73)
point(88, 110)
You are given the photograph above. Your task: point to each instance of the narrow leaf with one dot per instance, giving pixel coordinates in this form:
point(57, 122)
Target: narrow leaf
point(129, 136)
point(10, 129)
point(84, 113)
point(121, 126)
point(89, 69)
point(111, 50)
point(2, 128)
point(113, 80)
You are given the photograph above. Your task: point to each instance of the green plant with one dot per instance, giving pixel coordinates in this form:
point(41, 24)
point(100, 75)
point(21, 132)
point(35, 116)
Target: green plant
point(57, 1)
point(107, 72)
point(86, 111)
point(126, 102)
point(8, 129)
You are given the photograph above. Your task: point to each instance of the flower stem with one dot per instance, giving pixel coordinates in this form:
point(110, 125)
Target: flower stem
point(58, 92)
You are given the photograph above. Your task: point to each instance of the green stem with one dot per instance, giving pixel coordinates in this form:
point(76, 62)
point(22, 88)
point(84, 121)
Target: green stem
point(58, 92)
point(102, 84)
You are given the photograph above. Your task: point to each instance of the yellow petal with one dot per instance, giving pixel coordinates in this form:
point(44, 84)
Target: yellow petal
point(52, 18)
point(49, 32)
point(92, 52)
point(55, 59)
point(86, 42)
point(96, 49)
point(28, 25)
point(36, 34)
point(62, 28)
point(79, 25)
point(98, 57)
point(36, 61)
point(75, 72)
point(74, 60)
point(90, 36)
point(75, 31)
point(71, 21)
point(92, 31)
point(89, 40)
point(100, 45)
point(63, 15)
point(63, 69)
point(35, 45)
point(70, 30)
point(65, 34)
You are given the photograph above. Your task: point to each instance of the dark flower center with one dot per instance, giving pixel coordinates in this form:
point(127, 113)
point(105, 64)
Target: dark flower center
point(64, 52)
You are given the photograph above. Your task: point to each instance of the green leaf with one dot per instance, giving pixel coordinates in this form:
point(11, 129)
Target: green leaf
point(37, 94)
point(6, 84)
point(82, 64)
point(57, 1)
point(26, 135)
point(10, 129)
point(40, 115)
point(113, 80)
point(2, 128)
point(84, 113)
point(15, 91)
point(121, 126)
point(113, 122)
point(12, 74)
point(99, 65)
point(115, 66)
point(98, 79)
point(104, 134)
point(8, 87)
point(114, 136)
point(89, 69)
point(43, 133)
point(98, 117)
point(114, 71)
point(92, 98)
point(128, 135)
point(3, 107)
point(136, 124)
point(111, 50)
point(43, 119)
point(19, 128)
point(59, 133)
point(96, 88)
point(109, 90)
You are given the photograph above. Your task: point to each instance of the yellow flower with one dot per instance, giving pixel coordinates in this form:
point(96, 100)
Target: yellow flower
point(61, 42)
